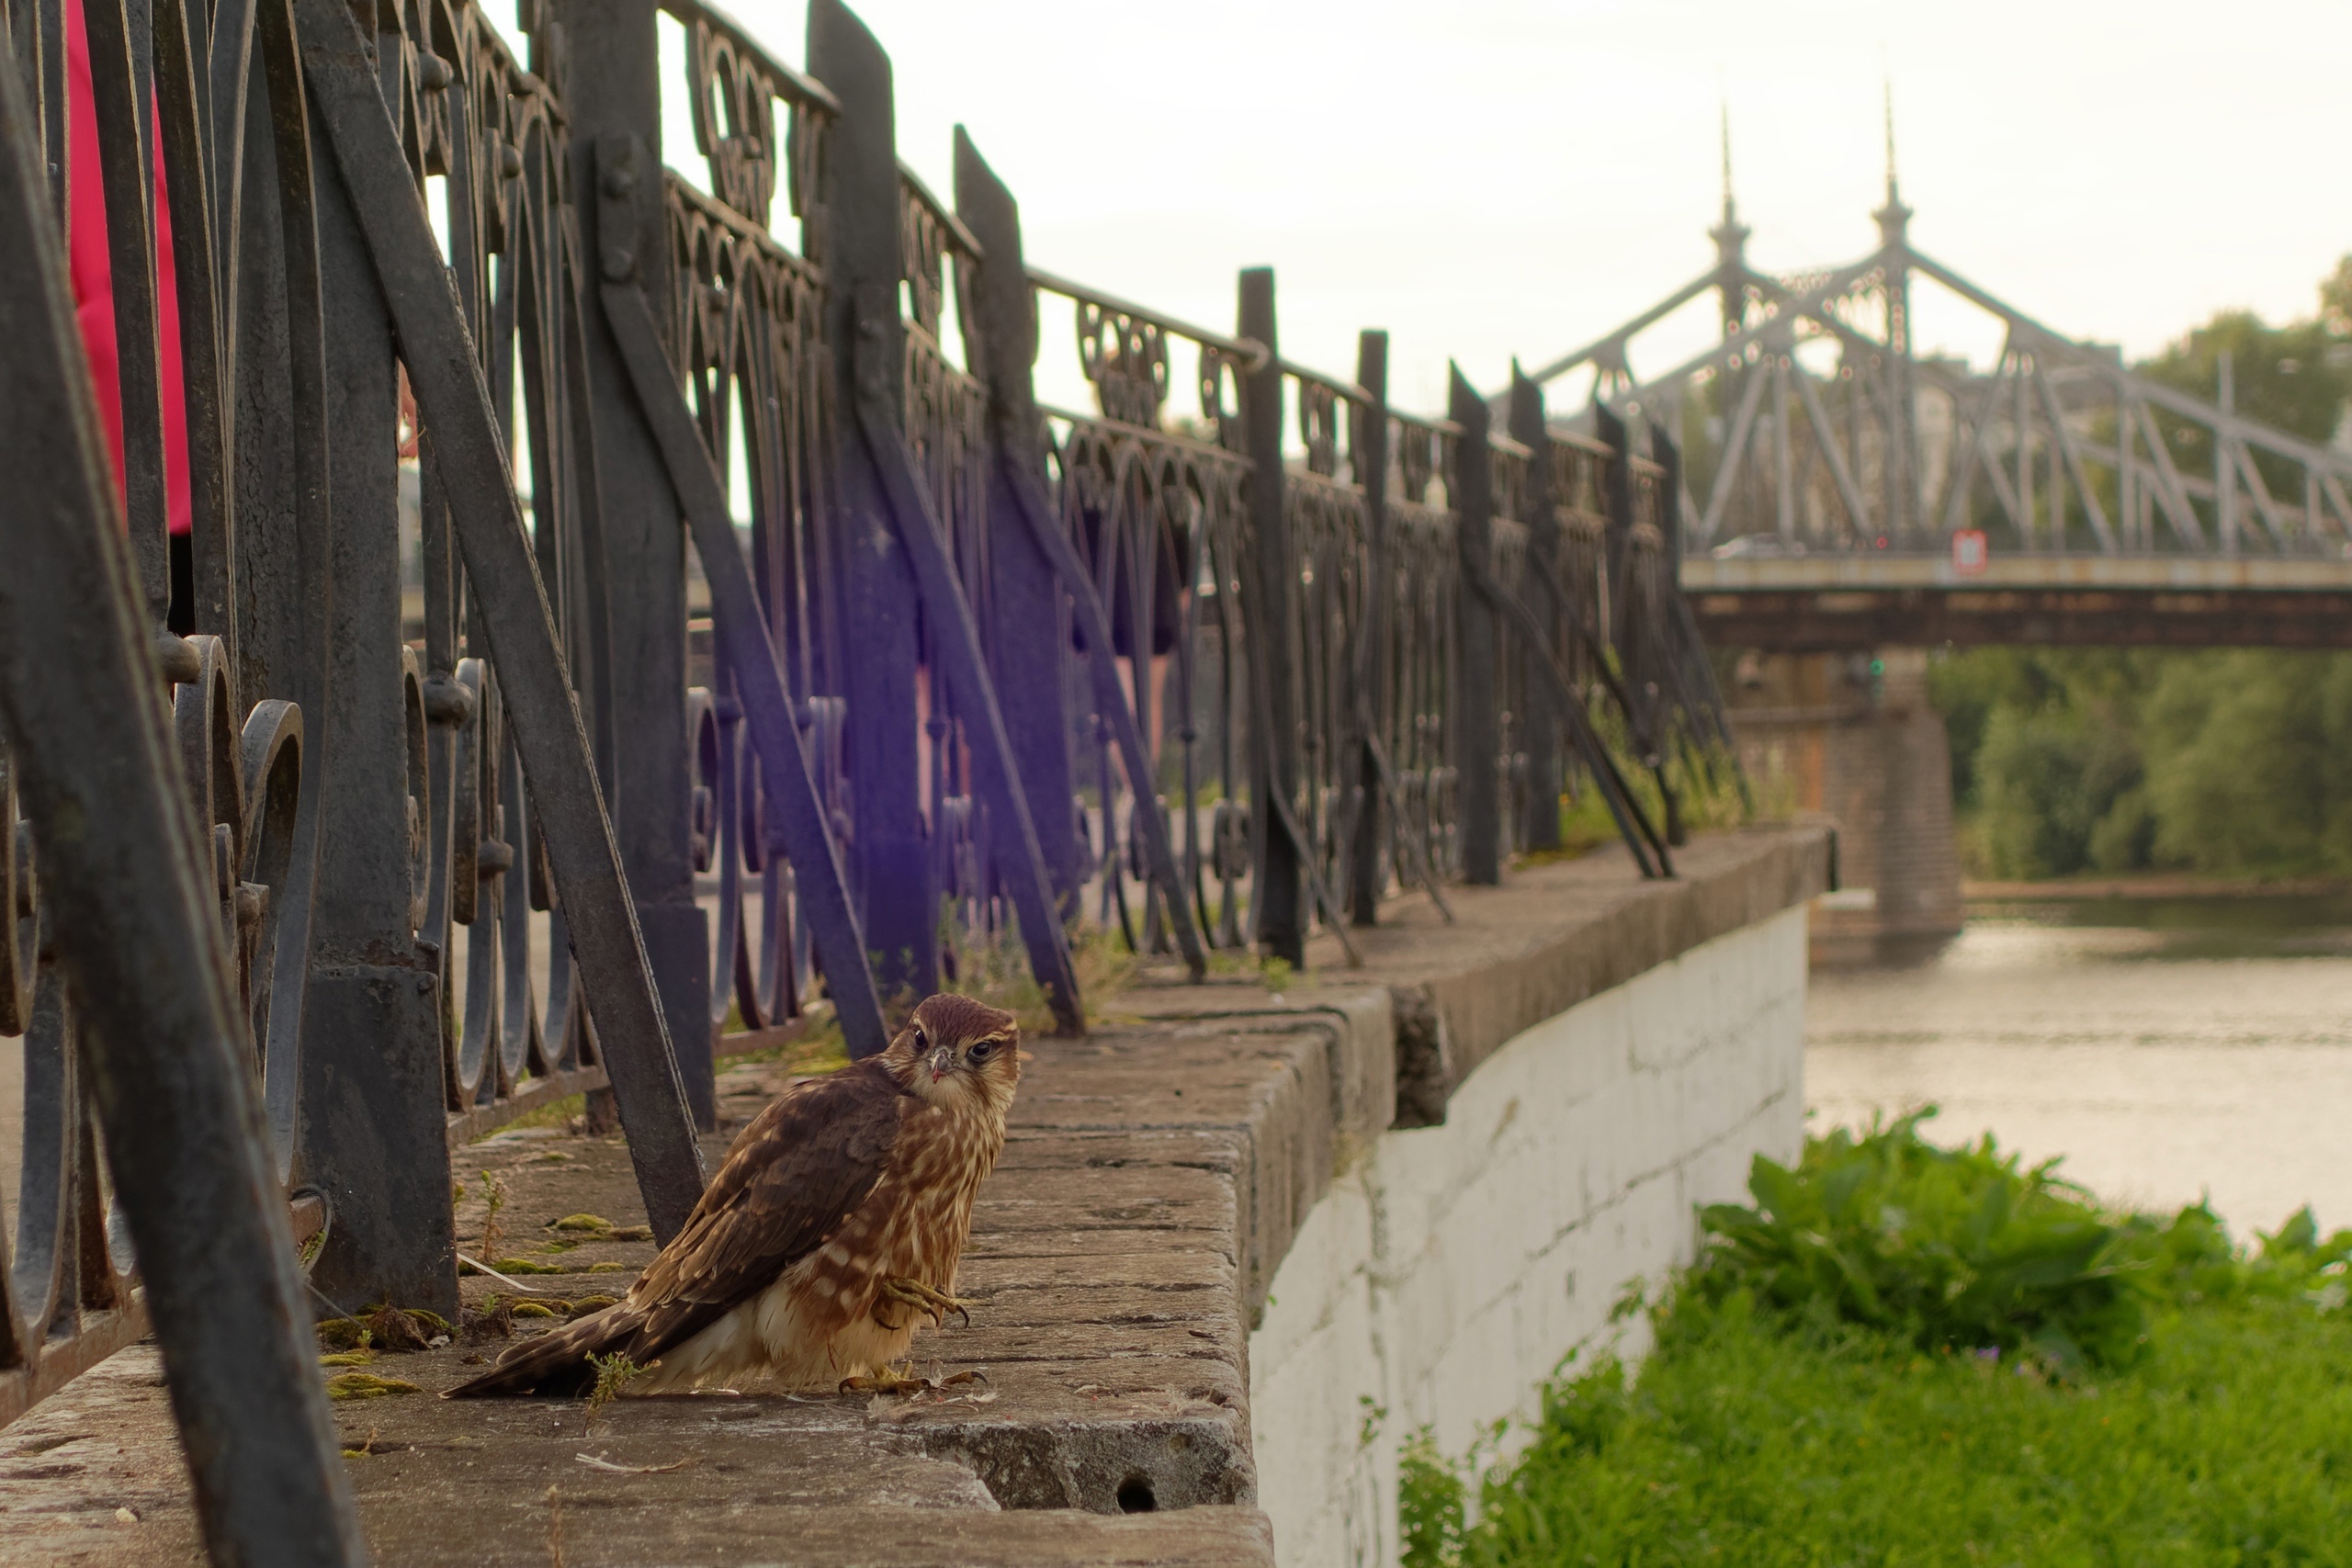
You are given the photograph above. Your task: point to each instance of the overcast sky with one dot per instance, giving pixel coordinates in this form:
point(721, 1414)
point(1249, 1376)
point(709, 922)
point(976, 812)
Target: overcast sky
point(1486, 178)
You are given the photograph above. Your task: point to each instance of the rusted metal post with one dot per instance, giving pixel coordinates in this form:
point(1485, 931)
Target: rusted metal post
point(1000, 338)
point(1471, 493)
point(889, 858)
point(551, 742)
point(1540, 726)
point(1369, 451)
point(611, 89)
point(373, 1138)
point(1029, 640)
point(1277, 905)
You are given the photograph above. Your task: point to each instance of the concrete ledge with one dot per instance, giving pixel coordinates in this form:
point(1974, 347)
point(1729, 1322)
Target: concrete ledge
point(1556, 935)
point(1448, 1272)
point(1157, 1175)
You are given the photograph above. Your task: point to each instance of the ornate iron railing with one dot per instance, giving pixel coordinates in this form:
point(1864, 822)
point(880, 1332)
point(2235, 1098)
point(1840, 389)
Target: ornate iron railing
point(971, 666)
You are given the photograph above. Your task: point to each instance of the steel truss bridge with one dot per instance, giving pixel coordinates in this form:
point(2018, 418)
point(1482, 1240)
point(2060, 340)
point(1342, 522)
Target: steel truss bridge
point(1832, 469)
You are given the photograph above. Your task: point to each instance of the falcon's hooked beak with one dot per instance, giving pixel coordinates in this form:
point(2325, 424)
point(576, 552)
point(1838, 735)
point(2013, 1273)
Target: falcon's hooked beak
point(942, 1059)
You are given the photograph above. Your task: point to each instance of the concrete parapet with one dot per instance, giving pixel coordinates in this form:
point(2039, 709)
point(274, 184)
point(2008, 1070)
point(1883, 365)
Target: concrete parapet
point(1163, 1179)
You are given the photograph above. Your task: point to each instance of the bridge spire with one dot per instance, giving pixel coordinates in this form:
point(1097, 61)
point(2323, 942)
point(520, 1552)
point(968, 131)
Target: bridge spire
point(1730, 212)
point(1894, 216)
point(1731, 246)
point(1900, 468)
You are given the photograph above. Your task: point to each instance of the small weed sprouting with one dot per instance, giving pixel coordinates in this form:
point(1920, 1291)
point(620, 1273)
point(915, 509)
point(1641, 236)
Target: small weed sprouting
point(1274, 975)
point(308, 1253)
point(613, 1374)
point(994, 968)
point(345, 1333)
point(1431, 1503)
point(493, 1193)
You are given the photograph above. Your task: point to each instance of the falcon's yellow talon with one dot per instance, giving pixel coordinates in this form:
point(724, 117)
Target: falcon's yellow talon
point(922, 1298)
point(889, 1380)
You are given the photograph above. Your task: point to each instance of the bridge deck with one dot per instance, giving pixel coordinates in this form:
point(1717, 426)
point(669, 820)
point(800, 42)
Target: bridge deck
point(1881, 571)
point(1831, 603)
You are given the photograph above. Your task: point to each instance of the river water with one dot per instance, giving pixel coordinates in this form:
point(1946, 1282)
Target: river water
point(2166, 1048)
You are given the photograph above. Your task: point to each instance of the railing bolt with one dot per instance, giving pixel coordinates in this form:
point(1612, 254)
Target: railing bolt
point(448, 703)
point(178, 659)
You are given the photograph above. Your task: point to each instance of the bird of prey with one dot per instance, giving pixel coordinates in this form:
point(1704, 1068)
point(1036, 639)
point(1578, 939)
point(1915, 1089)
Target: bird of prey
point(835, 1223)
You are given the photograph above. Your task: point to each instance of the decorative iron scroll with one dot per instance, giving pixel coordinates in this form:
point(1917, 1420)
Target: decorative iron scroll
point(748, 341)
point(733, 88)
point(945, 418)
point(1423, 660)
point(1125, 358)
point(1330, 590)
point(469, 113)
point(252, 484)
point(1160, 521)
point(65, 1273)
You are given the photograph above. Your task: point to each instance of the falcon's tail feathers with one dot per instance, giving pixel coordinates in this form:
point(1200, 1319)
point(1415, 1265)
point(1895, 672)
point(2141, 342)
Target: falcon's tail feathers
point(556, 1363)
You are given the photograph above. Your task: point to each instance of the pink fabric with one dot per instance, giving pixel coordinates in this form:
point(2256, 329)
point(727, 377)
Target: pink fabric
point(93, 277)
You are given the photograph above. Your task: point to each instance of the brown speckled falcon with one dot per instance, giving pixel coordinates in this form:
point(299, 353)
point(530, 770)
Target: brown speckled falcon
point(836, 1220)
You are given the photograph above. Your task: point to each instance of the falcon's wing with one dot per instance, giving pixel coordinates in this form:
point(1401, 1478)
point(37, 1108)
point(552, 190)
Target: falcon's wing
point(798, 1170)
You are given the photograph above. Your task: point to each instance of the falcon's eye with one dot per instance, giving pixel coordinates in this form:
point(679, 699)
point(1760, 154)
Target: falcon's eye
point(920, 1042)
point(980, 1053)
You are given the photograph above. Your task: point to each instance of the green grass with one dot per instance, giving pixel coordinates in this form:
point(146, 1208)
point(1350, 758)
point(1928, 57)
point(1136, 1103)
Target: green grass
point(1707, 788)
point(994, 968)
point(1780, 1424)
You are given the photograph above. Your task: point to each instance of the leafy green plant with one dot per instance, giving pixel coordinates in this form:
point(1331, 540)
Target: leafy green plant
point(1959, 1248)
point(1430, 1497)
point(1867, 1365)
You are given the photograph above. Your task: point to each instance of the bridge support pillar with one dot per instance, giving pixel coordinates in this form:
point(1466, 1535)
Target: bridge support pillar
point(1853, 737)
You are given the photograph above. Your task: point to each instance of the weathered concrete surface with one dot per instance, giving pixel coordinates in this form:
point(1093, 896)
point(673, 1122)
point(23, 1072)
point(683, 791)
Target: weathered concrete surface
point(1450, 1268)
point(1156, 1176)
point(706, 1480)
point(1106, 1325)
point(1556, 935)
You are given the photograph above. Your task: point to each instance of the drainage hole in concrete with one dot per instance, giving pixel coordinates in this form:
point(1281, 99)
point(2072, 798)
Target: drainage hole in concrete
point(1135, 1495)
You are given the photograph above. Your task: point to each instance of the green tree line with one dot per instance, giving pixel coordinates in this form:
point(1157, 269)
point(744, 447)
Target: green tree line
point(2229, 762)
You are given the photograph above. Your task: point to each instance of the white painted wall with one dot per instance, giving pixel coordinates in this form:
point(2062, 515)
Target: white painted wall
point(1447, 1273)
